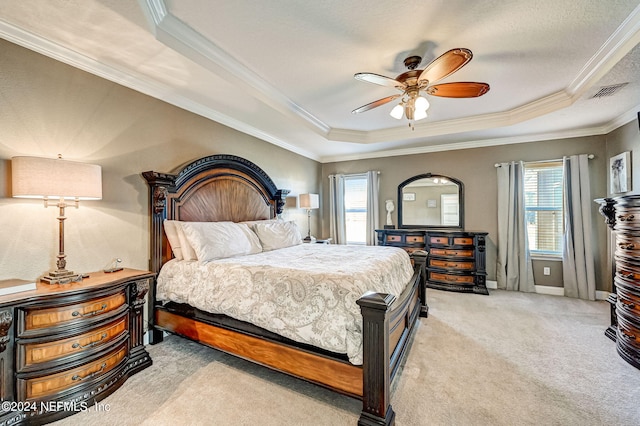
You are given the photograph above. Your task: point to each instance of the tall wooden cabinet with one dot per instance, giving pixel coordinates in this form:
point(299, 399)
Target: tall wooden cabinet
point(623, 217)
point(65, 346)
point(456, 259)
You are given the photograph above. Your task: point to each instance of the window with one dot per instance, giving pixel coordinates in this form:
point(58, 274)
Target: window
point(544, 207)
point(355, 208)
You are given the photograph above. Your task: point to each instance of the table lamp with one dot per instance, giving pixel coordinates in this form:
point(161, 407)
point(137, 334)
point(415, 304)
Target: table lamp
point(308, 202)
point(56, 179)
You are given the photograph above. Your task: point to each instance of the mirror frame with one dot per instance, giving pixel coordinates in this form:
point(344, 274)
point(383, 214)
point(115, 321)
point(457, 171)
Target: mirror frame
point(430, 175)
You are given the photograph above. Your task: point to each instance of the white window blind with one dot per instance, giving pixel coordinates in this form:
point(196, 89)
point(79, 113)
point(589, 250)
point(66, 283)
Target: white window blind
point(355, 208)
point(544, 207)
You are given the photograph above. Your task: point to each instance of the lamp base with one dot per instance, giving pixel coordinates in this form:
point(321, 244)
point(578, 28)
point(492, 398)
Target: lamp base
point(62, 276)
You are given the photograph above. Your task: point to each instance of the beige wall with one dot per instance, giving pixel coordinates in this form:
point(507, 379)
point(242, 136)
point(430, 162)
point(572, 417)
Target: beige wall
point(49, 108)
point(475, 168)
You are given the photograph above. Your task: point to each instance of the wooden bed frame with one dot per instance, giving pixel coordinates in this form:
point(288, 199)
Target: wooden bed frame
point(230, 188)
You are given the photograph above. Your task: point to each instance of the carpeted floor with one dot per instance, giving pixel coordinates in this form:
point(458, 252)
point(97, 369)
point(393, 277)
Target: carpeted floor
point(505, 359)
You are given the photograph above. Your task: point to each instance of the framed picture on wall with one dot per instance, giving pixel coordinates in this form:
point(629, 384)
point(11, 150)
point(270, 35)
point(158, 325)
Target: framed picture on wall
point(620, 173)
point(409, 196)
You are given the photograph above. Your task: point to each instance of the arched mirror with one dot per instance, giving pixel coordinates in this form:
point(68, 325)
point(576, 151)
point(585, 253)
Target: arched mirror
point(431, 201)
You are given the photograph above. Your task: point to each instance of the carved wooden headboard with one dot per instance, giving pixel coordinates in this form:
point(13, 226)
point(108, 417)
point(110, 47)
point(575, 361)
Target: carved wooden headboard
point(211, 189)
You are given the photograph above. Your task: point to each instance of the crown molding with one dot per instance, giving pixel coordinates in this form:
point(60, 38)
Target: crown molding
point(176, 34)
point(137, 82)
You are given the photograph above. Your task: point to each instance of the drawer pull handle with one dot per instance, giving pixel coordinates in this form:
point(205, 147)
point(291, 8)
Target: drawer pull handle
point(628, 305)
point(89, 345)
point(627, 335)
point(626, 274)
point(624, 217)
point(92, 313)
point(627, 246)
point(78, 377)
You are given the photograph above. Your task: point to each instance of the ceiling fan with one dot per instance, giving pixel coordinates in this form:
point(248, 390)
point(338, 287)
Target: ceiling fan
point(415, 83)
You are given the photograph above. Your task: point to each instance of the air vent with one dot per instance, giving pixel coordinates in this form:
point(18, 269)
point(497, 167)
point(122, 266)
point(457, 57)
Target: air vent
point(608, 90)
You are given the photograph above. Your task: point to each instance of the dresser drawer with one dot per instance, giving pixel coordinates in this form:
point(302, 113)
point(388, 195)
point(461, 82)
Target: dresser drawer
point(628, 246)
point(452, 264)
point(41, 318)
point(439, 240)
point(34, 355)
point(628, 301)
point(451, 278)
point(452, 252)
point(627, 219)
point(462, 241)
point(628, 330)
point(413, 239)
point(394, 238)
point(53, 384)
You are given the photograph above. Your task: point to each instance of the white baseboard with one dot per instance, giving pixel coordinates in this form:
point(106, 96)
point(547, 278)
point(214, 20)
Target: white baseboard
point(559, 291)
point(551, 290)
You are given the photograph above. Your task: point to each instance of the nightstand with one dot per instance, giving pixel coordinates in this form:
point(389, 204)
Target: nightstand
point(65, 346)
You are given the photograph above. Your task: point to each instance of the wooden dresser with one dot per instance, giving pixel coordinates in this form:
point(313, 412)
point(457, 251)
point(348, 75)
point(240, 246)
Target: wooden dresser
point(63, 347)
point(456, 259)
point(623, 216)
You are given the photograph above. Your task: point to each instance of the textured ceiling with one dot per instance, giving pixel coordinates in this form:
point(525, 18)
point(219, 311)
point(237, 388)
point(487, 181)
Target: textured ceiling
point(283, 70)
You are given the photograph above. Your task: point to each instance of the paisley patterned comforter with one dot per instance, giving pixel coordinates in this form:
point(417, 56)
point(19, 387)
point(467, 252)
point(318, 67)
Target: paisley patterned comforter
point(306, 292)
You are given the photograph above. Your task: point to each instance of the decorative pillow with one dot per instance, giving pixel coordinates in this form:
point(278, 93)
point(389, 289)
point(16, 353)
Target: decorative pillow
point(277, 235)
point(174, 239)
point(217, 240)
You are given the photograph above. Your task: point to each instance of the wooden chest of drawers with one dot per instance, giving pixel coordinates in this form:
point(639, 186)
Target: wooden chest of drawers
point(456, 259)
point(71, 344)
point(623, 216)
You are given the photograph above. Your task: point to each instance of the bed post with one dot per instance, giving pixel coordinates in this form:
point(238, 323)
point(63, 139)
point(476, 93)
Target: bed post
point(376, 398)
point(159, 186)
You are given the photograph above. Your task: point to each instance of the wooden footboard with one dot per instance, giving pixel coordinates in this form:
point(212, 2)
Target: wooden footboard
point(387, 326)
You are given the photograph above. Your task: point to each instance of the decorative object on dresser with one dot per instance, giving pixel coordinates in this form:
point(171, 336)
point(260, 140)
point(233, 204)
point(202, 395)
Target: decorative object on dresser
point(15, 285)
point(308, 202)
point(456, 259)
point(47, 178)
point(623, 217)
point(65, 347)
point(226, 188)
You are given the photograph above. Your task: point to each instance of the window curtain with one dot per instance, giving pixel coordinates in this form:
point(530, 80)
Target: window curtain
point(514, 270)
point(337, 228)
point(577, 253)
point(373, 207)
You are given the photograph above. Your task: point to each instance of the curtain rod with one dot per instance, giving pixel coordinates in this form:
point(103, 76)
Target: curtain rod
point(589, 156)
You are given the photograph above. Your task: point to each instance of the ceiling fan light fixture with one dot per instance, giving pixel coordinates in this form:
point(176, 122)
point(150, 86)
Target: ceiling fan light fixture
point(419, 114)
point(397, 112)
point(422, 103)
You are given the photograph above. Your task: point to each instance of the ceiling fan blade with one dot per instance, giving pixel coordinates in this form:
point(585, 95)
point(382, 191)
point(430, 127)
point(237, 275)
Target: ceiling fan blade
point(445, 65)
point(375, 104)
point(458, 90)
point(380, 80)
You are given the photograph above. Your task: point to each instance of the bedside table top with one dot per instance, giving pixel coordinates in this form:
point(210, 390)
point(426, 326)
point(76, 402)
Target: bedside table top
point(94, 280)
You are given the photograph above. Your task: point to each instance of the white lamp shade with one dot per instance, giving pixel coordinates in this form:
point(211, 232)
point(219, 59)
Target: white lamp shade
point(35, 177)
point(308, 201)
point(397, 112)
point(419, 114)
point(422, 103)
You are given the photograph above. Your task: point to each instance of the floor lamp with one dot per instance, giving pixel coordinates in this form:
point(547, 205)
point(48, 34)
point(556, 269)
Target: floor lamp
point(60, 180)
point(308, 202)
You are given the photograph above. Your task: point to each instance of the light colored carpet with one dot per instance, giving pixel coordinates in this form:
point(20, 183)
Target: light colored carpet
point(505, 359)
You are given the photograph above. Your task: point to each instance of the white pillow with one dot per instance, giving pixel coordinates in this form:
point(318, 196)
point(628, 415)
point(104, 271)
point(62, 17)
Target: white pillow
point(174, 239)
point(277, 235)
point(217, 240)
point(188, 253)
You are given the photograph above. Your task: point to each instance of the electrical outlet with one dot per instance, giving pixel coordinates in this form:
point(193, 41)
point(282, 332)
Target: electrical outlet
point(546, 270)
